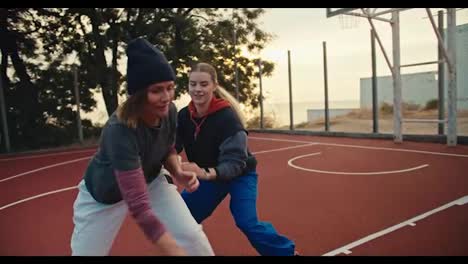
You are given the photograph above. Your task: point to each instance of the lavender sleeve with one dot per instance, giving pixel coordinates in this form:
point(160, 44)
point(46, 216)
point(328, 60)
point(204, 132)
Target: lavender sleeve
point(134, 192)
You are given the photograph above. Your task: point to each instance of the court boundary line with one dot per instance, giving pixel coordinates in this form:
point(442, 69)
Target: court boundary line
point(76, 160)
point(366, 147)
point(88, 157)
point(285, 148)
point(37, 196)
point(346, 249)
point(308, 143)
point(47, 155)
point(43, 168)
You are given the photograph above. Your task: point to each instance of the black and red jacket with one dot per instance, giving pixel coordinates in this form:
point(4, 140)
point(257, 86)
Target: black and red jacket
point(216, 140)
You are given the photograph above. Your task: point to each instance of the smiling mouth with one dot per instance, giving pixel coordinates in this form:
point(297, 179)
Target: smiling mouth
point(162, 107)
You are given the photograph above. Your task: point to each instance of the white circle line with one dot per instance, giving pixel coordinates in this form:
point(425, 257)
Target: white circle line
point(290, 163)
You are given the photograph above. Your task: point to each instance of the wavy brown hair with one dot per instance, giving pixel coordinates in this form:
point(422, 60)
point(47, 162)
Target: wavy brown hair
point(131, 110)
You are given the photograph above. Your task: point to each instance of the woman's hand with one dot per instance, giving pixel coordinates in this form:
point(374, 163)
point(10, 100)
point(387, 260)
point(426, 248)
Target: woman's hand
point(188, 180)
point(193, 167)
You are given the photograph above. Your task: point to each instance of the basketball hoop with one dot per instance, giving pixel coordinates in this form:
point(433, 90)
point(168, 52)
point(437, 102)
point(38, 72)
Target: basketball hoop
point(348, 21)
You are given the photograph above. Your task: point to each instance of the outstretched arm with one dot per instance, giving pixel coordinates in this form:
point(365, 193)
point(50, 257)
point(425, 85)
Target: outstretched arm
point(187, 178)
point(231, 161)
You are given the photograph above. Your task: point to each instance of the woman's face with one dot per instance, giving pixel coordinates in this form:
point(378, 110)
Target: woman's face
point(159, 95)
point(201, 87)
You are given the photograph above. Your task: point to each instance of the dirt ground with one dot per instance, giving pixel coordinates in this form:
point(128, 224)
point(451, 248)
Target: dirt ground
point(361, 121)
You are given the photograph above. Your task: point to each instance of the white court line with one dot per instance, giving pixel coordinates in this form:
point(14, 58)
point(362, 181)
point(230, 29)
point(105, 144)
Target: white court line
point(346, 248)
point(76, 160)
point(38, 196)
point(279, 139)
point(290, 163)
point(74, 187)
point(44, 168)
point(366, 147)
point(280, 149)
point(46, 155)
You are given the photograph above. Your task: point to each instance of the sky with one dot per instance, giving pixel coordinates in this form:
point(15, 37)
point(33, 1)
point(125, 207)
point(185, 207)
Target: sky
point(303, 30)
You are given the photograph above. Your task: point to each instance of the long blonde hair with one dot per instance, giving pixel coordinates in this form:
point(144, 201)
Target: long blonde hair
point(130, 111)
point(220, 91)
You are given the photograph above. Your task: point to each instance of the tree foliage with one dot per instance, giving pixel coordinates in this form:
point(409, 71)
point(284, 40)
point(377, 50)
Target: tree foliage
point(41, 46)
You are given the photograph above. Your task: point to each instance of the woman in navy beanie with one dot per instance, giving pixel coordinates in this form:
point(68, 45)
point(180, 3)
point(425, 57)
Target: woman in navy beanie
point(126, 174)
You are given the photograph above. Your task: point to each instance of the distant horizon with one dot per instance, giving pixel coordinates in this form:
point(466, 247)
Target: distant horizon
point(315, 101)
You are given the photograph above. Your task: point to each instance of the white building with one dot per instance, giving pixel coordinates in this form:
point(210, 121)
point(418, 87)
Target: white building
point(419, 88)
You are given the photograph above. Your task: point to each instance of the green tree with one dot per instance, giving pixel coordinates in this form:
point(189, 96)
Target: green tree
point(38, 87)
point(185, 35)
point(40, 46)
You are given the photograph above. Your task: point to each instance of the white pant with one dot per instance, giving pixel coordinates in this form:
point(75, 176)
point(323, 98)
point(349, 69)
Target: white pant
point(97, 224)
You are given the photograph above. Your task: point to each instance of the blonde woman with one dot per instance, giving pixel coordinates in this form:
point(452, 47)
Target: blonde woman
point(211, 130)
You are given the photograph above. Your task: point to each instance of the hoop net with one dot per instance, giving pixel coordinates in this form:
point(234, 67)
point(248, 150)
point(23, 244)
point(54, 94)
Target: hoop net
point(348, 21)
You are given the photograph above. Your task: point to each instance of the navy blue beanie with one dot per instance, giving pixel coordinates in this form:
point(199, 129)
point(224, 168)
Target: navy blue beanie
point(146, 65)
